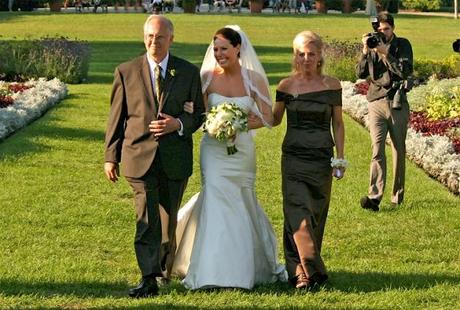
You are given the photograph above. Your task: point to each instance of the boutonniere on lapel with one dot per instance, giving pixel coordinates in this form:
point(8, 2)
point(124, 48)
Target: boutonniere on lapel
point(172, 72)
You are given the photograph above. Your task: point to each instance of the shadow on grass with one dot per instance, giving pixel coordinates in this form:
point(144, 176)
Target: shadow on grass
point(107, 55)
point(27, 143)
point(116, 291)
point(6, 17)
point(348, 282)
point(366, 282)
point(67, 133)
point(27, 140)
point(13, 287)
point(378, 281)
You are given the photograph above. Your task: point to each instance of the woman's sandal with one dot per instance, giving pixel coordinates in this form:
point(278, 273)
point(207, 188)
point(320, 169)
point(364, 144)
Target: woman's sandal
point(302, 281)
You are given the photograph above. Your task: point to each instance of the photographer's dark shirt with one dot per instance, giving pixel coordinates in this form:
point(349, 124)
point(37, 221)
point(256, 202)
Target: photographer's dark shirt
point(397, 66)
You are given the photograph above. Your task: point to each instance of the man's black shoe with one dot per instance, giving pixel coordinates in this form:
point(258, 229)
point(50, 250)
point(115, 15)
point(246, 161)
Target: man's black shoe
point(147, 287)
point(370, 204)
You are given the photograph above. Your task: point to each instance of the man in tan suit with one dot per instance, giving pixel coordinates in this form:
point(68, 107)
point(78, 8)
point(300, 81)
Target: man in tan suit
point(151, 135)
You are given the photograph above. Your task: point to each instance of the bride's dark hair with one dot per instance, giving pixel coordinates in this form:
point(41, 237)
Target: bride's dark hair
point(231, 35)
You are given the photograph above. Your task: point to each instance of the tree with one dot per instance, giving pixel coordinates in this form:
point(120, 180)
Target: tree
point(456, 8)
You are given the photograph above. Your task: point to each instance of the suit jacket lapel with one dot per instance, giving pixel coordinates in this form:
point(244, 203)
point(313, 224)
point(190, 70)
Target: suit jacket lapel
point(147, 83)
point(169, 81)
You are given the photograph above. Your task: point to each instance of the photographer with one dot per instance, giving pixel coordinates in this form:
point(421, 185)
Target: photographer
point(387, 62)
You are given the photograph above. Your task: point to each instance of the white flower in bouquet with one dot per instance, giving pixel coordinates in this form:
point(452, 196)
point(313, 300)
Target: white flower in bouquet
point(224, 121)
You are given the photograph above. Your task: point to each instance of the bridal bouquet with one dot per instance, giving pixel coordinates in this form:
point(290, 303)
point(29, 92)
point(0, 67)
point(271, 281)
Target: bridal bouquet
point(224, 121)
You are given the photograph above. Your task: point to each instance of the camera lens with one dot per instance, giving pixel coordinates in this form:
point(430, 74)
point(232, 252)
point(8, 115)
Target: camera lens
point(372, 42)
point(456, 46)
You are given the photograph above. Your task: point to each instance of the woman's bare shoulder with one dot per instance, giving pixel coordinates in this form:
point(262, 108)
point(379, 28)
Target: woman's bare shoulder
point(331, 82)
point(285, 84)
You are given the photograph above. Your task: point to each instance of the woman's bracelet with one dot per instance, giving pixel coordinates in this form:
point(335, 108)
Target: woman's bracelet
point(339, 163)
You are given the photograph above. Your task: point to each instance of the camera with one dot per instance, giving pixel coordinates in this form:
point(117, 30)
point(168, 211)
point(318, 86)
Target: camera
point(402, 87)
point(374, 38)
point(456, 46)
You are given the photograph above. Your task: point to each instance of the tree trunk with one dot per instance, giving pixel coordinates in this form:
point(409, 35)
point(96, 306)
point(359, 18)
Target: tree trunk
point(55, 6)
point(371, 8)
point(456, 8)
point(189, 6)
point(256, 6)
point(346, 6)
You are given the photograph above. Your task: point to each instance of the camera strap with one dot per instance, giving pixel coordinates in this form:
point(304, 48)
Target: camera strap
point(385, 80)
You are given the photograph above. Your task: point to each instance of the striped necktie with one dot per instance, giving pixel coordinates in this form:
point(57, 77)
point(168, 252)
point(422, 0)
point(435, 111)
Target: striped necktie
point(158, 83)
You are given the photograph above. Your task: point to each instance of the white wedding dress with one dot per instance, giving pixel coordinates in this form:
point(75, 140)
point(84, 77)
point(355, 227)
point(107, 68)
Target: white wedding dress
point(224, 237)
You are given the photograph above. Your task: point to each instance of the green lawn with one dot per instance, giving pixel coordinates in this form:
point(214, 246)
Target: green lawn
point(66, 233)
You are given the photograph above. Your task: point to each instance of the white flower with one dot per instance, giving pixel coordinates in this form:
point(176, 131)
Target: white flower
point(224, 121)
point(435, 154)
point(30, 104)
point(339, 163)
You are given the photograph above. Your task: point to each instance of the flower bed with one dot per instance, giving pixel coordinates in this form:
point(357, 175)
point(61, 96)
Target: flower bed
point(27, 102)
point(433, 153)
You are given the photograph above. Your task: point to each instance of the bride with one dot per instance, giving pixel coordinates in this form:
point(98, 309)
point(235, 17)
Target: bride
point(224, 237)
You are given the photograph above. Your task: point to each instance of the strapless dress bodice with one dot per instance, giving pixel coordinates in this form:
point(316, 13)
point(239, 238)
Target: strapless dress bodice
point(245, 102)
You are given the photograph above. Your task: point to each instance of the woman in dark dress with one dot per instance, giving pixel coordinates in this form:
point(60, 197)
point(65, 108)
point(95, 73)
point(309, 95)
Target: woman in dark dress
point(312, 102)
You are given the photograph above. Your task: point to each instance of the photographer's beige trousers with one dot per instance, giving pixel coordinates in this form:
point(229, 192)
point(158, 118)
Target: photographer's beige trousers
point(383, 120)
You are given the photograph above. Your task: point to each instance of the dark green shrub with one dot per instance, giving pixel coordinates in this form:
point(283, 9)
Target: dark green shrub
point(16, 62)
point(342, 69)
point(341, 58)
point(358, 4)
point(334, 5)
point(47, 57)
point(441, 69)
point(338, 5)
point(392, 6)
point(422, 5)
point(19, 5)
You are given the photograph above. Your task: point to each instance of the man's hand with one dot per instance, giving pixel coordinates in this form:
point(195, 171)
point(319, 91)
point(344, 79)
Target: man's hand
point(112, 171)
point(164, 126)
point(254, 121)
point(364, 41)
point(382, 49)
point(188, 107)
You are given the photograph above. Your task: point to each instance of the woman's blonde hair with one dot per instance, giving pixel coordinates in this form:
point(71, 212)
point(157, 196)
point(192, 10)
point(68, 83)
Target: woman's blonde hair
point(303, 38)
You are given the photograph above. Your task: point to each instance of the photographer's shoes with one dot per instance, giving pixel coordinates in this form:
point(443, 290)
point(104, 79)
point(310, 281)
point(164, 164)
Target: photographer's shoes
point(369, 204)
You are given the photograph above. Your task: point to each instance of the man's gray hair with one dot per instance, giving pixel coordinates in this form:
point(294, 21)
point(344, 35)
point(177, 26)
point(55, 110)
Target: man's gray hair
point(162, 19)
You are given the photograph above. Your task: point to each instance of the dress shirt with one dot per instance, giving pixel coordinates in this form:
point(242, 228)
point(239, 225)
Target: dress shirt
point(164, 65)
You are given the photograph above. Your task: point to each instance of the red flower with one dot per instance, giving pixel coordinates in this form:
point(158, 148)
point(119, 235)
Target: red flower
point(5, 101)
point(361, 88)
point(420, 123)
point(5, 95)
point(17, 87)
